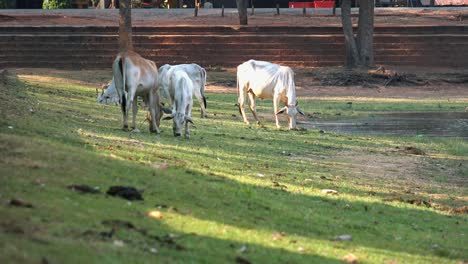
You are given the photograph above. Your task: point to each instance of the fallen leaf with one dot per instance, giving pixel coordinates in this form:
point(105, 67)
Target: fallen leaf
point(119, 243)
point(460, 210)
point(155, 214)
point(350, 258)
point(343, 238)
point(160, 166)
point(243, 249)
point(329, 191)
point(278, 236)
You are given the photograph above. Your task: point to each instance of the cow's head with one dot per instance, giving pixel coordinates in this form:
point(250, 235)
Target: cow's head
point(291, 111)
point(108, 94)
point(100, 92)
point(179, 120)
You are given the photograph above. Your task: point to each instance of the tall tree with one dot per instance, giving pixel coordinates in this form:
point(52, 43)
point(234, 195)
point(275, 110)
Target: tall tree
point(359, 49)
point(365, 34)
point(252, 7)
point(125, 26)
point(242, 10)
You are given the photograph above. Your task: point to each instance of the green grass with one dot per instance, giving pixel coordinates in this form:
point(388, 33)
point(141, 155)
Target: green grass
point(229, 187)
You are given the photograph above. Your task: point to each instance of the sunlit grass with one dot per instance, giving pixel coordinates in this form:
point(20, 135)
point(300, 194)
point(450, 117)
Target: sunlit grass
point(230, 191)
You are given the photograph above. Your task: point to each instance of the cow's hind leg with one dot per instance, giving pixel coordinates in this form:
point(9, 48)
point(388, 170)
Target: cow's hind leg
point(124, 112)
point(134, 112)
point(202, 100)
point(253, 107)
point(154, 110)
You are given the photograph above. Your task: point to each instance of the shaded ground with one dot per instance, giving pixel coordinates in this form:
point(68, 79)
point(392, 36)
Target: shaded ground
point(401, 200)
point(440, 124)
point(263, 17)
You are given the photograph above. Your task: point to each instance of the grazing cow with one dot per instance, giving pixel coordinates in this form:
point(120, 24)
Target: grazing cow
point(195, 72)
point(267, 80)
point(135, 76)
point(179, 92)
point(109, 94)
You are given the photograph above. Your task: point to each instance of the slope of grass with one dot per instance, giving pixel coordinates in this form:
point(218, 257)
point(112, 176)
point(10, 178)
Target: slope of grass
point(231, 193)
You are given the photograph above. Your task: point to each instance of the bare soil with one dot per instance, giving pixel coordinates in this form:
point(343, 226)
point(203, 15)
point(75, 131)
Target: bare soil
point(211, 17)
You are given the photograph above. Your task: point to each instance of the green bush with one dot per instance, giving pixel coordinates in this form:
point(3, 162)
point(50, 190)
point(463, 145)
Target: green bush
point(56, 4)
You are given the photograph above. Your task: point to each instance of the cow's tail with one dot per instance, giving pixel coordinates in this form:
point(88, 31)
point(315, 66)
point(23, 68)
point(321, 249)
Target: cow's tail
point(120, 82)
point(202, 88)
point(238, 92)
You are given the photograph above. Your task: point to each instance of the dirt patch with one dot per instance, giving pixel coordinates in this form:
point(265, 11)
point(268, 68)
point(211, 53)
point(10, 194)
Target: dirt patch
point(126, 192)
point(418, 124)
point(412, 150)
point(210, 17)
point(20, 203)
point(382, 77)
point(397, 176)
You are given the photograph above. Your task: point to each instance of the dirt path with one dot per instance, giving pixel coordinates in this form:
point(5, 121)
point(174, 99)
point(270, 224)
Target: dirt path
point(210, 17)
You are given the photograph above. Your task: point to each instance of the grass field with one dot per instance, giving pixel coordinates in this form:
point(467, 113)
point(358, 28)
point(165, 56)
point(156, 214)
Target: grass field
point(230, 194)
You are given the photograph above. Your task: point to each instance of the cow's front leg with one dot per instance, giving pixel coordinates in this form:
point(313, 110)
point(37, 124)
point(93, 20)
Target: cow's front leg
point(253, 107)
point(155, 111)
point(188, 119)
point(241, 102)
point(275, 108)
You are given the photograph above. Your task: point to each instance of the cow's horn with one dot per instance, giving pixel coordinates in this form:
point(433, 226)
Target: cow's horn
point(300, 111)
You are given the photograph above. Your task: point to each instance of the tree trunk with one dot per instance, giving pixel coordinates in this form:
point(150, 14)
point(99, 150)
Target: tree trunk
point(112, 4)
point(242, 9)
point(352, 55)
point(365, 34)
point(180, 3)
point(252, 7)
point(432, 3)
point(277, 9)
point(125, 26)
point(222, 10)
point(196, 8)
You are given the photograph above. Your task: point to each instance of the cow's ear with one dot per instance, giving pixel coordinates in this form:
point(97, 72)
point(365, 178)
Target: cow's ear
point(166, 110)
point(168, 117)
point(282, 110)
point(188, 119)
point(300, 111)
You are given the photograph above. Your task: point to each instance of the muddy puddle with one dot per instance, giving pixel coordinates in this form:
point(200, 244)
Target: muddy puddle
point(432, 124)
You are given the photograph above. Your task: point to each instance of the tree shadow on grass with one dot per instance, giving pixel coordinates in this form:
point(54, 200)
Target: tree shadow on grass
point(201, 196)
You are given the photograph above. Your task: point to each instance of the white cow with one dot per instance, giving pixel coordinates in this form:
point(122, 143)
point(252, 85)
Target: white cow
point(109, 94)
point(135, 76)
point(179, 92)
point(195, 72)
point(267, 80)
